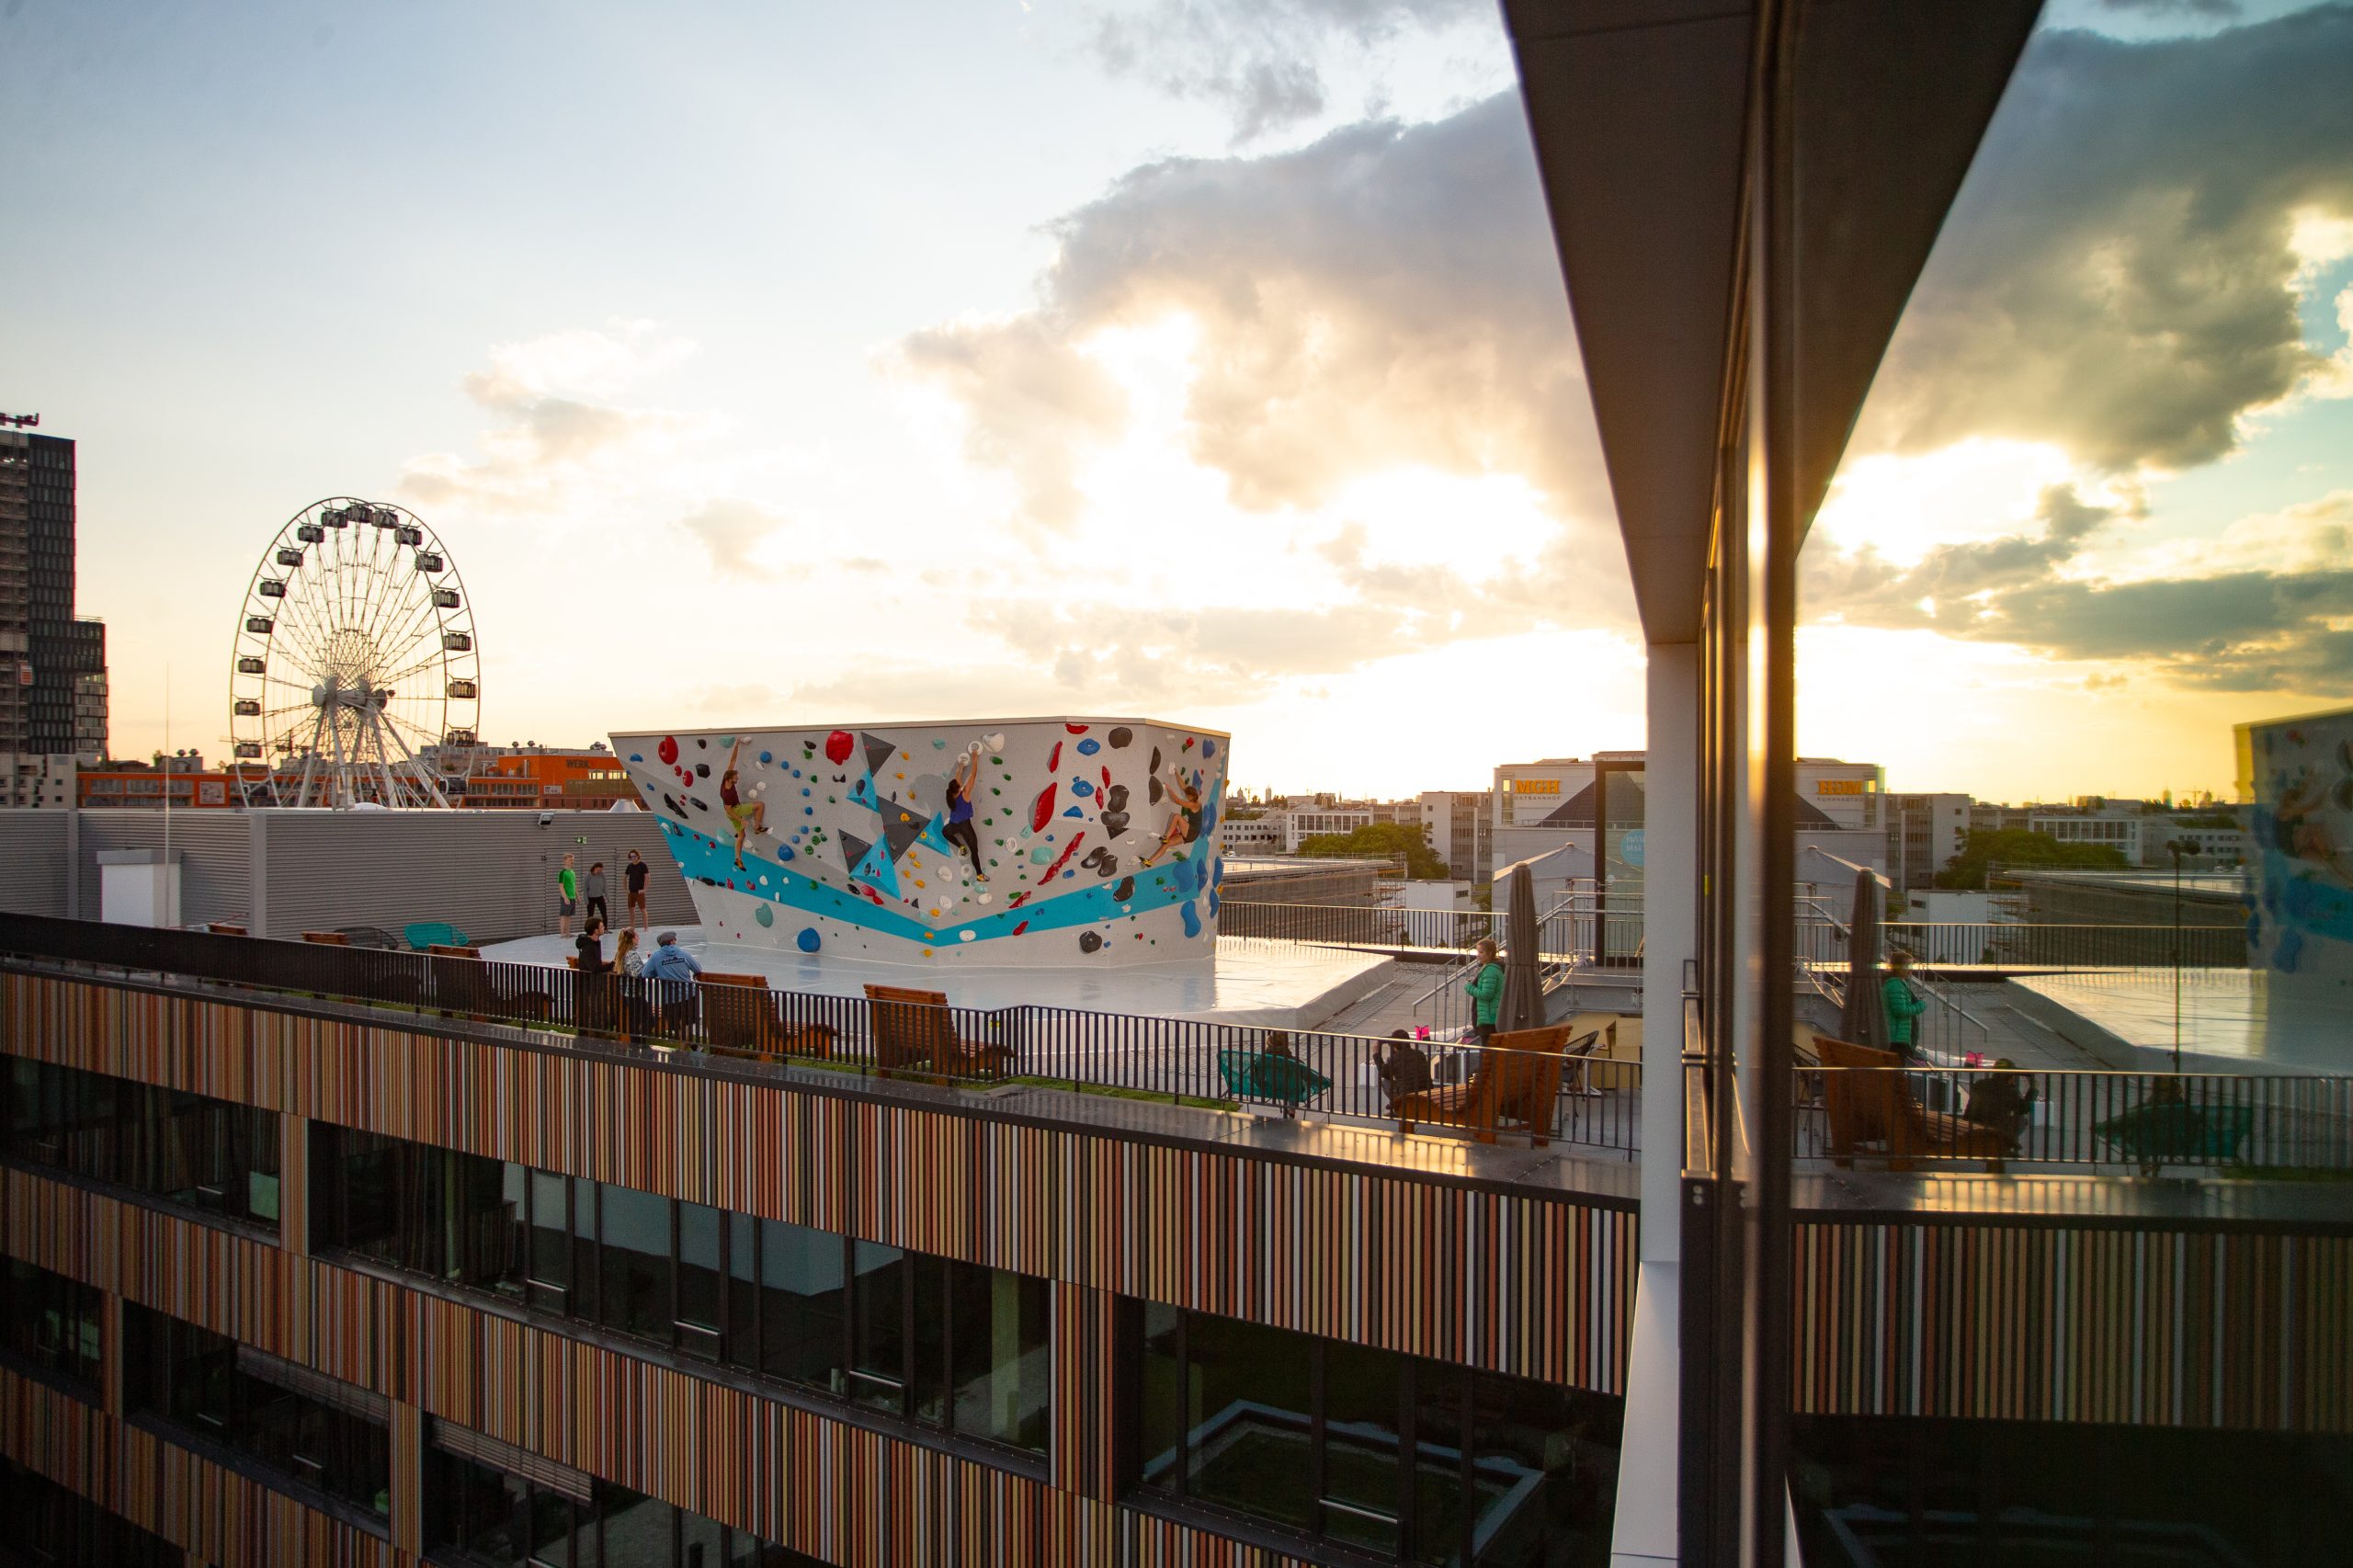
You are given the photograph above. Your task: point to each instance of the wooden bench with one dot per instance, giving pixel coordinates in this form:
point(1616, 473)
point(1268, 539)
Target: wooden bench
point(741, 1017)
point(223, 929)
point(327, 938)
point(1519, 1079)
point(1877, 1106)
point(914, 1031)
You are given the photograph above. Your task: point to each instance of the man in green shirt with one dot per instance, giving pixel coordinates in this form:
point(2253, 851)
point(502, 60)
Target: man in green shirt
point(567, 897)
point(1901, 1004)
point(1486, 992)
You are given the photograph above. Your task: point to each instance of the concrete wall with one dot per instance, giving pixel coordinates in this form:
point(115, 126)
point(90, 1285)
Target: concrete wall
point(34, 856)
point(279, 873)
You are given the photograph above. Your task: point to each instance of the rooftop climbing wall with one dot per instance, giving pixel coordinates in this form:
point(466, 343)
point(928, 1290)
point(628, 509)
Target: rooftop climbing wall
point(1045, 842)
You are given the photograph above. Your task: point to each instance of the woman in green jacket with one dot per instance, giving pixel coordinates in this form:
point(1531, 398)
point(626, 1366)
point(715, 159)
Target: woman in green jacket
point(1901, 1004)
point(1486, 992)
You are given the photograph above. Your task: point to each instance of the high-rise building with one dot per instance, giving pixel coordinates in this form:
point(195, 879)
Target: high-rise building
point(52, 663)
point(1922, 833)
point(1458, 826)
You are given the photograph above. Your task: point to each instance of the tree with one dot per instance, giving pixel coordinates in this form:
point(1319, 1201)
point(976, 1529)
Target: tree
point(2021, 846)
point(1382, 841)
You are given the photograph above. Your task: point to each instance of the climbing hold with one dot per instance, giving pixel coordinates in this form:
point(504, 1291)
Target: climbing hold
point(1121, 735)
point(1192, 919)
point(1125, 891)
point(838, 749)
point(1042, 810)
point(1089, 746)
point(668, 750)
point(807, 941)
point(1090, 941)
point(765, 915)
point(702, 771)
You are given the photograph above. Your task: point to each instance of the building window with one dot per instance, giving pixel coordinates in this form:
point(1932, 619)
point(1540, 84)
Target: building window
point(1401, 1459)
point(502, 1507)
point(201, 1152)
point(951, 1346)
point(51, 1323)
point(314, 1431)
point(46, 1523)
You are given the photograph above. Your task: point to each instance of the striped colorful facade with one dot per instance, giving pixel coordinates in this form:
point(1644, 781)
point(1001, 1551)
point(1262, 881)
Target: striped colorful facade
point(1515, 1281)
point(2148, 1327)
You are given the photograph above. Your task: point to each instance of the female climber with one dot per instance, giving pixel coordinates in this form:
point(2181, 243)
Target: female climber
point(748, 817)
point(958, 830)
point(1184, 826)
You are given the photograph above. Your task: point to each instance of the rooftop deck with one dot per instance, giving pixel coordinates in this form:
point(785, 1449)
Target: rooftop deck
point(1188, 1081)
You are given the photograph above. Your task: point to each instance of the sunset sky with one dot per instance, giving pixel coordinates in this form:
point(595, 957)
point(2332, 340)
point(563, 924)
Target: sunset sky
point(789, 363)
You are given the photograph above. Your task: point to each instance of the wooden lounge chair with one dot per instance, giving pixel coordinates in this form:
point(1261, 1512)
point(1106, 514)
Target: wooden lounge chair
point(1878, 1108)
point(914, 1031)
point(461, 980)
point(741, 1018)
point(1265, 1076)
point(1518, 1081)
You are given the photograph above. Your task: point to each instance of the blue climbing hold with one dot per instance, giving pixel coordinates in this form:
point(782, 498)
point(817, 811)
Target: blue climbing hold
point(1073, 811)
point(1089, 746)
point(1209, 748)
point(807, 941)
point(1081, 788)
point(766, 757)
point(635, 757)
point(1192, 919)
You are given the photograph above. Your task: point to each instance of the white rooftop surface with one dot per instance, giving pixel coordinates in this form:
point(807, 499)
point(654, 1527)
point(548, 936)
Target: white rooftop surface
point(2228, 1015)
point(1257, 982)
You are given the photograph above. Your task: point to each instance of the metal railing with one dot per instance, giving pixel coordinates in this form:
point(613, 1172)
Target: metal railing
point(1333, 1074)
point(1567, 933)
point(2065, 945)
point(2086, 1120)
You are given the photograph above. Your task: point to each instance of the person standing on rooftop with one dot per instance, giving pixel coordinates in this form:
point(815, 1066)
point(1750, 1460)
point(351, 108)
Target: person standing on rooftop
point(567, 896)
point(1486, 992)
point(634, 875)
point(1902, 1005)
point(597, 910)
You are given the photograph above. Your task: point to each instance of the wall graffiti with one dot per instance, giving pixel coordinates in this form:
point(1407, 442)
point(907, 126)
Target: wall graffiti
point(1034, 841)
point(2300, 774)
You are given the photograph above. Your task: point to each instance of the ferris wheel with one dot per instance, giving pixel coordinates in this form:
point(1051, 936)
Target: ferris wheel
point(355, 678)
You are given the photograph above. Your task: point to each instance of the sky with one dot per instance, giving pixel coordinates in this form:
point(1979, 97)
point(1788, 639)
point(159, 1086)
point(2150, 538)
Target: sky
point(1208, 360)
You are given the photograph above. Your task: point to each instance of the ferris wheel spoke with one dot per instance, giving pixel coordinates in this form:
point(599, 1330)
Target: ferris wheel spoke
point(409, 637)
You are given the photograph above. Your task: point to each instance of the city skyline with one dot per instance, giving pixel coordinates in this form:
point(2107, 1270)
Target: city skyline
point(974, 367)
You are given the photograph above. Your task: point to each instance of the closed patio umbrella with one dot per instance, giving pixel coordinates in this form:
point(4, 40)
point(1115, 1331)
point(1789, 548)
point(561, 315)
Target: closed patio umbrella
point(1862, 1022)
point(1523, 1006)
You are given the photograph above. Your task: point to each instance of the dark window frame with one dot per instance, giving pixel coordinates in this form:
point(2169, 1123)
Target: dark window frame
point(744, 1347)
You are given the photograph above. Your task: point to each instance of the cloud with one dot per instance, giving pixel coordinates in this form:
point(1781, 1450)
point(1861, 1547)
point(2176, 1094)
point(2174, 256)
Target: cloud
point(1259, 58)
point(2120, 274)
point(1032, 403)
point(2231, 630)
point(732, 530)
point(552, 395)
point(1387, 296)
point(2215, 9)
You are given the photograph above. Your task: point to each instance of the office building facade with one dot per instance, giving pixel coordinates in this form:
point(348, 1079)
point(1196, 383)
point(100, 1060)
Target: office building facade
point(52, 661)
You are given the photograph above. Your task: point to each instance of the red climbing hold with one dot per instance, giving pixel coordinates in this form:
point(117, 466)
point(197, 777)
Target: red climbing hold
point(1076, 729)
point(668, 750)
point(1054, 758)
point(1042, 810)
point(1023, 926)
point(838, 746)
